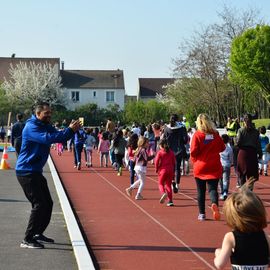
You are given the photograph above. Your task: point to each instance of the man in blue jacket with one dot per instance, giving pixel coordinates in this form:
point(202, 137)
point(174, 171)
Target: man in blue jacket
point(37, 137)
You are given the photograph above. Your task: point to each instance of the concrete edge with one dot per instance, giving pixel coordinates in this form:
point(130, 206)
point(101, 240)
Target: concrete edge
point(82, 254)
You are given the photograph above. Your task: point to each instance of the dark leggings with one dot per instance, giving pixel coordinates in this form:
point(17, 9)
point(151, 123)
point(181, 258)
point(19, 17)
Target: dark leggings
point(132, 172)
point(201, 190)
point(119, 161)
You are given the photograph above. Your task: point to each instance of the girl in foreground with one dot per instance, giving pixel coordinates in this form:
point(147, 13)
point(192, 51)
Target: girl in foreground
point(247, 246)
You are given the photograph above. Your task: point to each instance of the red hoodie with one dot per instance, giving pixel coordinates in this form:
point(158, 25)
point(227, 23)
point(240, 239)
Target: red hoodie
point(165, 160)
point(204, 153)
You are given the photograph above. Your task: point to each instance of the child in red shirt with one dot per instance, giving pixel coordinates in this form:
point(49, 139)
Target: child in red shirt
point(165, 164)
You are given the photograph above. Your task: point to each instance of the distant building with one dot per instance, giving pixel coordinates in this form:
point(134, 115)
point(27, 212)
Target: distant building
point(150, 87)
point(102, 87)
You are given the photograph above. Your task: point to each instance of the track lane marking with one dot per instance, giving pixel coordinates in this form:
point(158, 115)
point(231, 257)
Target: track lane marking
point(156, 221)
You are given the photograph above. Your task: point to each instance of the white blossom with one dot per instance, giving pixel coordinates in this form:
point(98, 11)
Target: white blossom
point(34, 83)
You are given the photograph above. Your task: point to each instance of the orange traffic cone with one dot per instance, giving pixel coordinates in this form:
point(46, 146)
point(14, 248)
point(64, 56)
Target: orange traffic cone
point(4, 161)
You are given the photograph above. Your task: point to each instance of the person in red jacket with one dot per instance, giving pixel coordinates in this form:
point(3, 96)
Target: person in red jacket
point(164, 164)
point(206, 145)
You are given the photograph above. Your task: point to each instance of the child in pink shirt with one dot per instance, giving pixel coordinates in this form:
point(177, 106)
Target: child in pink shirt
point(104, 148)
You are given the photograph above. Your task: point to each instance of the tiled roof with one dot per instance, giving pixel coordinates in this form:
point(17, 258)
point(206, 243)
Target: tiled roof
point(5, 63)
point(149, 87)
point(95, 79)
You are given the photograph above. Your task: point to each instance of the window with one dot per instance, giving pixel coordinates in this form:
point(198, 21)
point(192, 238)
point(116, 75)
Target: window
point(94, 94)
point(110, 96)
point(75, 96)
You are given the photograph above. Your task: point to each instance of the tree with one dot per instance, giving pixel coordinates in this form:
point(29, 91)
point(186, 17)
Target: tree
point(250, 60)
point(145, 112)
point(32, 83)
point(204, 61)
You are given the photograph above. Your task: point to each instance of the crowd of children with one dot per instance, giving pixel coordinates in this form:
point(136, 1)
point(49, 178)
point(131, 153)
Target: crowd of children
point(247, 245)
point(118, 146)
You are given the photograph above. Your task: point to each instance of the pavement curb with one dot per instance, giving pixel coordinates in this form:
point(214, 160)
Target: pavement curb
point(81, 252)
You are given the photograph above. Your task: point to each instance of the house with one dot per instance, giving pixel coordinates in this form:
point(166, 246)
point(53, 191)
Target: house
point(150, 87)
point(103, 87)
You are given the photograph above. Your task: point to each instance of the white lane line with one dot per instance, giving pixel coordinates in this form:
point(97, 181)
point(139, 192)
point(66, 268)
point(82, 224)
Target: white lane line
point(157, 222)
point(80, 249)
point(263, 184)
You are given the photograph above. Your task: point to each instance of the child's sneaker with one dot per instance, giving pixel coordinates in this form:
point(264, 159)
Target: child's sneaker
point(170, 203)
point(215, 210)
point(201, 217)
point(129, 191)
point(139, 197)
point(163, 198)
point(175, 188)
point(120, 171)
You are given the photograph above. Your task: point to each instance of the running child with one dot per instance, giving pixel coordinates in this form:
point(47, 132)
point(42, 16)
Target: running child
point(226, 158)
point(264, 141)
point(164, 164)
point(119, 146)
point(103, 149)
point(141, 159)
point(89, 145)
point(132, 146)
point(248, 245)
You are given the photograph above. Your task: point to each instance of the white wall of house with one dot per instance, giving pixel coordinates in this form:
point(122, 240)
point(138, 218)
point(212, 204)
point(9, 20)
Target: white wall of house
point(101, 97)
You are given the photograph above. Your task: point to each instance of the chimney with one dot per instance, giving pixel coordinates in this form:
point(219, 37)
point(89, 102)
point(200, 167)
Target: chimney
point(115, 77)
point(63, 65)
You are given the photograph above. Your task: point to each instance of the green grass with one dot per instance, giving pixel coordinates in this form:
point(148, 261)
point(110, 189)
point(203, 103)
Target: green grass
point(262, 122)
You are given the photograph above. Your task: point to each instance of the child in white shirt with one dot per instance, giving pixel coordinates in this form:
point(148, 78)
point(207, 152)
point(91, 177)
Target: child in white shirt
point(226, 158)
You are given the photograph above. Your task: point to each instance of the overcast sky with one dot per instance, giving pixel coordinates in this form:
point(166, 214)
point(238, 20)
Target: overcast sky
point(140, 37)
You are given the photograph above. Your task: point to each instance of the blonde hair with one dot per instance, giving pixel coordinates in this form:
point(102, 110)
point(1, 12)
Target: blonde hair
point(205, 124)
point(245, 212)
point(141, 143)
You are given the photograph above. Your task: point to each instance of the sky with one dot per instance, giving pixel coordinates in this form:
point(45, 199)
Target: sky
point(140, 37)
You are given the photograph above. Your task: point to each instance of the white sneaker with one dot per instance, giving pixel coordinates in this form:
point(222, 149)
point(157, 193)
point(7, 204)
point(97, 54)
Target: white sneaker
point(139, 197)
point(163, 198)
point(129, 191)
point(201, 217)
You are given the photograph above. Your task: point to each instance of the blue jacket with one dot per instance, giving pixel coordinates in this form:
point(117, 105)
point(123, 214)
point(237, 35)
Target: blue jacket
point(37, 138)
point(264, 140)
point(80, 137)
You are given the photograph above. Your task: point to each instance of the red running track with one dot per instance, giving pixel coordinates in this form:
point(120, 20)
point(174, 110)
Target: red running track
point(128, 234)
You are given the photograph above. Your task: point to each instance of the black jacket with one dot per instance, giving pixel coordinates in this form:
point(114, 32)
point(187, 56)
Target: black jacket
point(177, 138)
